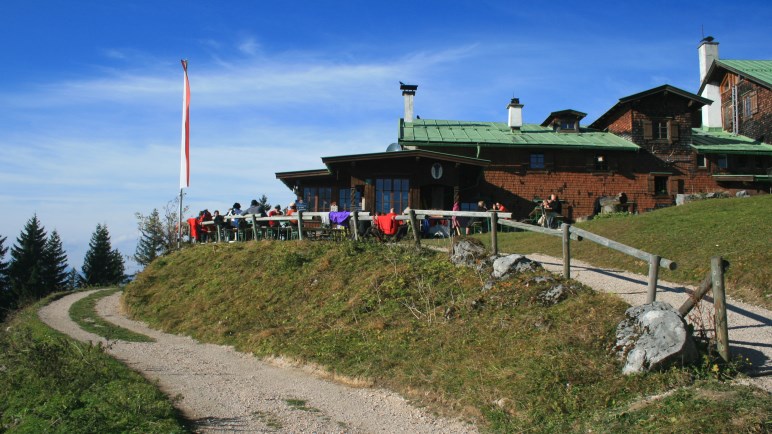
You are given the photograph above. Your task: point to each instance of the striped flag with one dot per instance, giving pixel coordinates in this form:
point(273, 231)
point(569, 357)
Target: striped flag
point(185, 142)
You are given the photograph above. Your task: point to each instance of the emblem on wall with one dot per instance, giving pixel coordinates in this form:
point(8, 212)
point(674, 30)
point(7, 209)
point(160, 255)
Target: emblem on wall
point(436, 170)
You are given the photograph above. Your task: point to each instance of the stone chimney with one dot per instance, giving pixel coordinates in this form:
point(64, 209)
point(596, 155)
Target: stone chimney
point(711, 114)
point(515, 120)
point(408, 91)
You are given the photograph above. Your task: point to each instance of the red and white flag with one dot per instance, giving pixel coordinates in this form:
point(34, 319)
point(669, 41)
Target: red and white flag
point(185, 143)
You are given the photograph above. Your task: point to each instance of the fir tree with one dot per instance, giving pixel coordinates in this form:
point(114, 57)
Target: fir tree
point(7, 302)
point(74, 279)
point(263, 202)
point(153, 242)
point(25, 271)
point(102, 265)
point(54, 269)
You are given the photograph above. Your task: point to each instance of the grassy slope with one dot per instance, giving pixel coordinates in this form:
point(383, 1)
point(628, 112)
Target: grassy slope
point(416, 324)
point(51, 383)
point(739, 229)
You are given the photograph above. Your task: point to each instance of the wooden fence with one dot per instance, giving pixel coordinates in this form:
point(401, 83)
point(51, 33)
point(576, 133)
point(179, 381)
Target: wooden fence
point(496, 219)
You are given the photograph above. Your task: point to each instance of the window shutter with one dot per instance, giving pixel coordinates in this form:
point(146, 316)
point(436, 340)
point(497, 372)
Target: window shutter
point(672, 131)
point(647, 134)
point(754, 103)
point(652, 185)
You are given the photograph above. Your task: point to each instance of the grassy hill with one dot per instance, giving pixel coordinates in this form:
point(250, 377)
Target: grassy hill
point(738, 229)
point(412, 322)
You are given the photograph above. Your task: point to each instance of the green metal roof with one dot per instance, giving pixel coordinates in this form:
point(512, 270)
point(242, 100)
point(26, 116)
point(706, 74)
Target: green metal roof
point(761, 70)
point(430, 132)
point(717, 141)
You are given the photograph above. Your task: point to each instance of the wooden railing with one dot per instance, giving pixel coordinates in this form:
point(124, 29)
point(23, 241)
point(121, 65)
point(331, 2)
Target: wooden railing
point(567, 232)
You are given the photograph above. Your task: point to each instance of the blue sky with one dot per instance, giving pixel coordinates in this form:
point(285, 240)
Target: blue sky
point(90, 91)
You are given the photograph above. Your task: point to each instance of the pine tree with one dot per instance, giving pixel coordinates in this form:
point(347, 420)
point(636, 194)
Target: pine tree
point(153, 241)
point(54, 269)
point(263, 202)
point(102, 265)
point(25, 271)
point(7, 302)
point(74, 279)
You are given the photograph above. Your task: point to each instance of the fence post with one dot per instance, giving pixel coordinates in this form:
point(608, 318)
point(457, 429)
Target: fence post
point(254, 228)
point(653, 276)
point(300, 225)
point(566, 251)
point(355, 222)
point(494, 235)
point(416, 229)
point(696, 296)
point(719, 304)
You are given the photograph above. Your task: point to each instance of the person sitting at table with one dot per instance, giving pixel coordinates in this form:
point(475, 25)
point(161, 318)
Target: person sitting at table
point(203, 216)
point(235, 211)
point(272, 213)
point(292, 209)
point(552, 208)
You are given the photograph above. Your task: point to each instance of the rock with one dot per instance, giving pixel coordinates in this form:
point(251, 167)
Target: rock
point(651, 337)
point(553, 295)
point(742, 193)
point(512, 264)
point(468, 253)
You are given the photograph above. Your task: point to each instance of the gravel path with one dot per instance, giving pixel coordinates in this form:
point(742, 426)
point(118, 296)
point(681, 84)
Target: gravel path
point(223, 390)
point(750, 327)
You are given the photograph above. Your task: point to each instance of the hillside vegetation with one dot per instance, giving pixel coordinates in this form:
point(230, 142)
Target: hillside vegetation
point(738, 229)
point(412, 322)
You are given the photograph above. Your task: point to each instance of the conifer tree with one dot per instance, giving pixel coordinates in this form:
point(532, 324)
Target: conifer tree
point(152, 242)
point(54, 264)
point(74, 279)
point(6, 299)
point(102, 265)
point(25, 270)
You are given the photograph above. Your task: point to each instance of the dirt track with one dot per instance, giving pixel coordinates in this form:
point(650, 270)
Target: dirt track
point(223, 390)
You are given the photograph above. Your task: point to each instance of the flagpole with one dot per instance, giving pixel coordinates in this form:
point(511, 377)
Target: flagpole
point(184, 144)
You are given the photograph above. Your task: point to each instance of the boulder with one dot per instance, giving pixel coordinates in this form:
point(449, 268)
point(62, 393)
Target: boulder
point(553, 295)
point(742, 193)
point(651, 337)
point(512, 264)
point(468, 253)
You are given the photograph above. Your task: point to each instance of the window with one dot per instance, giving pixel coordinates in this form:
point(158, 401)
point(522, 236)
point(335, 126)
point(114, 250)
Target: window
point(391, 193)
point(566, 124)
point(345, 203)
point(660, 130)
point(317, 199)
point(701, 161)
point(750, 104)
point(660, 185)
point(722, 161)
point(601, 163)
point(537, 161)
point(727, 121)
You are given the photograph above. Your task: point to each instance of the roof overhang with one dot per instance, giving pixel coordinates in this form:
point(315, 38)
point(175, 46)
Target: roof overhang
point(742, 178)
point(290, 178)
point(416, 153)
point(718, 69)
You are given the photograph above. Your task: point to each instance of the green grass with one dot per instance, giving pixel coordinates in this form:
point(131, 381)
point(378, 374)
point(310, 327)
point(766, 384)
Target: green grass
point(51, 383)
point(414, 323)
point(84, 314)
point(737, 229)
